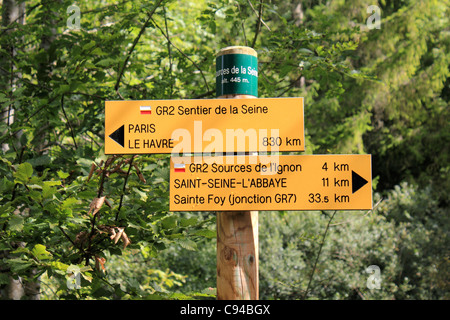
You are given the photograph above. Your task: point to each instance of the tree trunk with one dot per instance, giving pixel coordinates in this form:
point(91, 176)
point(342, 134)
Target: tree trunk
point(298, 16)
point(13, 11)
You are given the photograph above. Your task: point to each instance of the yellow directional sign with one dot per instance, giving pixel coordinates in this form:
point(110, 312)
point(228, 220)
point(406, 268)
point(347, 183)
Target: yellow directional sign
point(280, 182)
point(204, 126)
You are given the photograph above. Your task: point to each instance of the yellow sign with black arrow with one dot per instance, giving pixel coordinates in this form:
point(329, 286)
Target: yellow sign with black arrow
point(275, 182)
point(204, 126)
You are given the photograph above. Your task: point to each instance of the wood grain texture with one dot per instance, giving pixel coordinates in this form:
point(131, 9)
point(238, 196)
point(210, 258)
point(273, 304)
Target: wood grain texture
point(237, 50)
point(237, 237)
point(237, 255)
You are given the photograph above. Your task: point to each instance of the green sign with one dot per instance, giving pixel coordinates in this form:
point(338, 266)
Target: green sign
point(237, 74)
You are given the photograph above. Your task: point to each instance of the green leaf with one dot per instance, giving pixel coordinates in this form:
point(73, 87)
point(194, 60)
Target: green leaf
point(16, 223)
point(3, 98)
point(18, 265)
point(169, 222)
point(6, 185)
point(205, 233)
point(52, 183)
point(67, 203)
point(40, 161)
point(98, 51)
point(89, 65)
point(23, 173)
point(4, 278)
point(47, 191)
point(40, 252)
point(89, 45)
point(63, 89)
point(188, 222)
point(306, 51)
point(106, 62)
point(59, 267)
point(188, 244)
point(85, 274)
point(62, 174)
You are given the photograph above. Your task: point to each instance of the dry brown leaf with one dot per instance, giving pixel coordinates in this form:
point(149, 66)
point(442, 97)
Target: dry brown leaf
point(108, 203)
point(125, 239)
point(139, 174)
point(104, 229)
point(81, 238)
point(113, 233)
point(100, 263)
point(96, 204)
point(110, 160)
point(118, 234)
point(91, 172)
point(141, 177)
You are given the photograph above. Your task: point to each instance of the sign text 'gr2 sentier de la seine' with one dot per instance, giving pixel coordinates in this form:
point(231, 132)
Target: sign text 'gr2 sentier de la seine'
point(204, 126)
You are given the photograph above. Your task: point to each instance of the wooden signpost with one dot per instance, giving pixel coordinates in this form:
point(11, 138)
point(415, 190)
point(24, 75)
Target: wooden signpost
point(225, 158)
point(237, 231)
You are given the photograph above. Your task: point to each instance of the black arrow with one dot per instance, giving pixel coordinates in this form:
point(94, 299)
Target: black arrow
point(357, 182)
point(119, 136)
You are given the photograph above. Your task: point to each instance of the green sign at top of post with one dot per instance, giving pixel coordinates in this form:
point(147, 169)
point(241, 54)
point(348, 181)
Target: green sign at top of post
point(237, 71)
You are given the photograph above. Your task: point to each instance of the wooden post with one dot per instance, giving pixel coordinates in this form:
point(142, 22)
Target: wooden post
point(237, 231)
point(237, 255)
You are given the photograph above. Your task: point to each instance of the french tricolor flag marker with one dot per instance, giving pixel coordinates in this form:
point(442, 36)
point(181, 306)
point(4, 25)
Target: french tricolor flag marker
point(145, 109)
point(179, 167)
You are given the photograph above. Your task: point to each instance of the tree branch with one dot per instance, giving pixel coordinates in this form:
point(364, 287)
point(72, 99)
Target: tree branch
point(170, 53)
point(124, 187)
point(71, 241)
point(183, 54)
point(136, 40)
point(258, 23)
point(318, 255)
point(68, 122)
point(289, 86)
point(242, 23)
point(259, 15)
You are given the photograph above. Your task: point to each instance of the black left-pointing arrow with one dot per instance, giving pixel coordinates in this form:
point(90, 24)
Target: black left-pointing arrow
point(119, 136)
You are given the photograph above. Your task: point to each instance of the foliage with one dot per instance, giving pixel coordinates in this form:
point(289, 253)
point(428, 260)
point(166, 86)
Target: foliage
point(70, 213)
point(403, 236)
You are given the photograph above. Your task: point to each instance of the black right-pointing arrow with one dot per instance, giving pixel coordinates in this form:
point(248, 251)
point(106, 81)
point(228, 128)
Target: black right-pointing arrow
point(357, 182)
point(119, 136)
